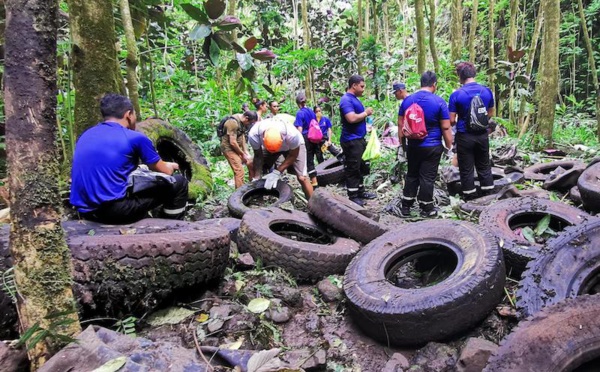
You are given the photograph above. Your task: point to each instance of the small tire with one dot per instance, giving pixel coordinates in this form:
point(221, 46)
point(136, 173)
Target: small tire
point(561, 337)
point(509, 214)
point(239, 200)
point(330, 172)
point(174, 145)
point(589, 188)
point(294, 242)
point(541, 171)
point(569, 268)
point(415, 316)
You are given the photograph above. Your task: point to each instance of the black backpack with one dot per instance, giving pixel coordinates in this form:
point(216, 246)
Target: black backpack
point(221, 126)
point(477, 121)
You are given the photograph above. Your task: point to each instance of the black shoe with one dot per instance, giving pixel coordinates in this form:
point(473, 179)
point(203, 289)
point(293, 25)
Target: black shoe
point(367, 195)
point(358, 201)
point(432, 213)
point(404, 212)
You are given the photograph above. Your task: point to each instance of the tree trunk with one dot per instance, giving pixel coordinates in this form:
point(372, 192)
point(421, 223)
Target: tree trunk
point(306, 28)
point(386, 26)
point(547, 87)
point(512, 29)
point(492, 52)
point(132, 56)
point(592, 63)
point(421, 48)
point(456, 31)
point(473, 30)
point(360, 36)
point(434, 56)
point(296, 21)
point(367, 23)
point(41, 258)
point(94, 58)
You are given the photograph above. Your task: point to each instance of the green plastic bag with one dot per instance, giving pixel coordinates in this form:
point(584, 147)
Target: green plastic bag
point(373, 150)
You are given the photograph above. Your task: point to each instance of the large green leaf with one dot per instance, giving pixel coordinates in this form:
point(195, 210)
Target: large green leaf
point(214, 53)
point(245, 61)
point(222, 39)
point(528, 234)
point(200, 32)
point(214, 8)
point(195, 12)
point(543, 225)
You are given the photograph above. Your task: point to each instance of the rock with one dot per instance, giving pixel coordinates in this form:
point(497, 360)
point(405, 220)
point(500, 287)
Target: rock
point(436, 357)
point(221, 311)
point(245, 261)
point(306, 359)
point(12, 359)
point(278, 313)
point(329, 291)
point(313, 323)
point(240, 322)
point(507, 312)
point(475, 354)
point(291, 296)
point(397, 363)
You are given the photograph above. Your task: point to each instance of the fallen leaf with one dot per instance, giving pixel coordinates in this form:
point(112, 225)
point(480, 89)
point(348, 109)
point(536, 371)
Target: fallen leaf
point(127, 231)
point(239, 284)
point(233, 345)
point(215, 324)
point(112, 365)
point(259, 305)
point(171, 315)
point(202, 318)
point(264, 361)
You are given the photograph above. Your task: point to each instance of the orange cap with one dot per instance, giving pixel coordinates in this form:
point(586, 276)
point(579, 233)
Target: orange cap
point(272, 139)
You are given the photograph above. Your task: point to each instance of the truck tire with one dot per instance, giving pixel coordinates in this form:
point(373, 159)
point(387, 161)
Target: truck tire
point(240, 201)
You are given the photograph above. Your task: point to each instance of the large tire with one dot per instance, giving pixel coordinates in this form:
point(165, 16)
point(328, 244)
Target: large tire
point(239, 201)
point(475, 206)
point(564, 181)
point(330, 172)
point(344, 216)
point(575, 195)
point(174, 145)
point(8, 310)
point(509, 214)
point(569, 269)
point(294, 242)
point(562, 337)
point(589, 188)
point(415, 316)
point(541, 171)
point(501, 180)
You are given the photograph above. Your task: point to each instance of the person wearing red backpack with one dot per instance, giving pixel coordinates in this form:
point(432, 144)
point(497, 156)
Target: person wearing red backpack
point(305, 118)
point(424, 120)
point(471, 108)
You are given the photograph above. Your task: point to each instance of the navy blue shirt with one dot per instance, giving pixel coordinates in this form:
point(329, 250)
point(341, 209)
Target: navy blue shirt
point(435, 110)
point(104, 157)
point(352, 131)
point(325, 124)
point(460, 102)
point(303, 119)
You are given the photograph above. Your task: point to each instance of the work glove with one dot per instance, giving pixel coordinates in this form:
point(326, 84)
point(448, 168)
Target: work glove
point(271, 179)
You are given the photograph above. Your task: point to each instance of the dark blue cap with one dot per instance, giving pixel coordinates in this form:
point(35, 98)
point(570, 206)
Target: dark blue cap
point(398, 86)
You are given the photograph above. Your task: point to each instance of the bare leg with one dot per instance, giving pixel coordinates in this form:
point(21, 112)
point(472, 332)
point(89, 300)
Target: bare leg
point(306, 186)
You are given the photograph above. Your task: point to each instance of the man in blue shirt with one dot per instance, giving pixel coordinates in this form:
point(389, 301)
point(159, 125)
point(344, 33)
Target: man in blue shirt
point(423, 155)
point(105, 156)
point(303, 118)
point(354, 130)
point(472, 148)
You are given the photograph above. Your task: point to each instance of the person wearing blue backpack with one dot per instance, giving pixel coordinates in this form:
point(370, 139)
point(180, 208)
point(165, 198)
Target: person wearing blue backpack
point(424, 120)
point(471, 108)
point(305, 118)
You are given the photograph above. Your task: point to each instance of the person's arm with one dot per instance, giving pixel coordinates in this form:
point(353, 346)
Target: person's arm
point(354, 118)
point(234, 145)
point(453, 118)
point(164, 167)
point(289, 159)
point(329, 134)
point(447, 133)
point(491, 112)
point(401, 137)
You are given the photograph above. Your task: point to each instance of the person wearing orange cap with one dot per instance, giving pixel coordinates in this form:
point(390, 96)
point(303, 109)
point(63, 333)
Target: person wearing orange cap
point(277, 136)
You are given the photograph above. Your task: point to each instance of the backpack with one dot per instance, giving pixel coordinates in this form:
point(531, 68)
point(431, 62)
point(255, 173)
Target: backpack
point(315, 135)
point(221, 126)
point(414, 126)
point(477, 121)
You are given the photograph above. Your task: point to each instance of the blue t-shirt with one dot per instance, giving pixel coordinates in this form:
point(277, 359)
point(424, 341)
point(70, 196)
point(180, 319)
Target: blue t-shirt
point(303, 118)
point(460, 102)
point(325, 124)
point(352, 131)
point(435, 110)
point(104, 156)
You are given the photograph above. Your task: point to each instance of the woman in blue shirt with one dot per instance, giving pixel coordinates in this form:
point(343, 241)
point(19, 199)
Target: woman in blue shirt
point(325, 125)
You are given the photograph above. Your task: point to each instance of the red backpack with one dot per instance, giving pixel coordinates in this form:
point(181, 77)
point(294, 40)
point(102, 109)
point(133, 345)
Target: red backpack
point(315, 135)
point(414, 126)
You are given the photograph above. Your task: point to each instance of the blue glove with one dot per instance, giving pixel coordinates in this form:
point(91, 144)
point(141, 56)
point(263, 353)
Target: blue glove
point(271, 179)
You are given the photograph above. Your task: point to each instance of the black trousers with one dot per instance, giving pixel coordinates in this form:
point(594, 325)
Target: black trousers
point(473, 151)
point(312, 149)
point(134, 207)
point(354, 167)
point(423, 163)
point(333, 150)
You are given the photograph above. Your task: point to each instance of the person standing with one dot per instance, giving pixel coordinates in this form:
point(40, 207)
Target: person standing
point(303, 118)
point(423, 155)
point(233, 144)
point(326, 129)
point(472, 141)
point(354, 130)
point(261, 108)
point(274, 108)
point(399, 90)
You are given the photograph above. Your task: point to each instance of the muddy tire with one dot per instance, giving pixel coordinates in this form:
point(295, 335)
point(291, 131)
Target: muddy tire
point(501, 180)
point(564, 181)
point(240, 201)
point(344, 216)
point(8, 309)
point(575, 195)
point(562, 337)
point(570, 268)
point(330, 172)
point(393, 310)
point(589, 188)
point(507, 215)
point(174, 145)
point(541, 171)
point(295, 242)
point(133, 273)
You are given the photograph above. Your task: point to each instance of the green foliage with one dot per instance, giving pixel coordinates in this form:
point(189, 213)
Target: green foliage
point(58, 323)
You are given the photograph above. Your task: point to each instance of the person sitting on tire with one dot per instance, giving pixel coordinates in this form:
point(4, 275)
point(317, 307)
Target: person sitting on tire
point(106, 155)
point(326, 143)
point(423, 155)
point(233, 145)
point(271, 138)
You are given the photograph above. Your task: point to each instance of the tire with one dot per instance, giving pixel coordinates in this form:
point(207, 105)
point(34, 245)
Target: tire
point(562, 337)
point(8, 309)
point(311, 255)
point(174, 145)
point(344, 216)
point(475, 206)
point(239, 200)
point(541, 171)
point(575, 195)
point(412, 316)
point(501, 180)
point(564, 181)
point(569, 269)
point(589, 188)
point(330, 172)
point(506, 215)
